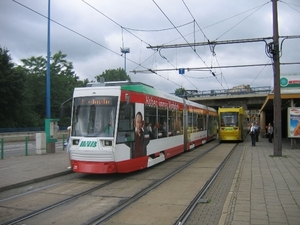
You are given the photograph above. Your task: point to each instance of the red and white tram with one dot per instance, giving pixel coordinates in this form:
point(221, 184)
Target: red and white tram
point(124, 127)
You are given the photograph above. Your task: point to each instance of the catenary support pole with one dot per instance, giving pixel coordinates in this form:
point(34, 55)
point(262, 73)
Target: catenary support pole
point(277, 95)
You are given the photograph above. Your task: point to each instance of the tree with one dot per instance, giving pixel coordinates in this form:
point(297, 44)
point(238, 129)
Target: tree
point(11, 91)
point(114, 75)
point(63, 80)
point(180, 92)
point(23, 89)
point(35, 91)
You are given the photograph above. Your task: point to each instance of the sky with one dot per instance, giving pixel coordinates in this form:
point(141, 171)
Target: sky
point(92, 32)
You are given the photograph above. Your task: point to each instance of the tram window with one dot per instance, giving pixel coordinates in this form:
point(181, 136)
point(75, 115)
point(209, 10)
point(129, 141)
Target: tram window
point(163, 123)
point(124, 122)
point(172, 122)
point(200, 121)
point(195, 124)
point(180, 120)
point(175, 118)
point(190, 122)
point(150, 121)
point(204, 122)
point(210, 123)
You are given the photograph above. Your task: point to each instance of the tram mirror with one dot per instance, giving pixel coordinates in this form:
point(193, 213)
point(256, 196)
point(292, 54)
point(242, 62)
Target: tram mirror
point(61, 112)
point(61, 108)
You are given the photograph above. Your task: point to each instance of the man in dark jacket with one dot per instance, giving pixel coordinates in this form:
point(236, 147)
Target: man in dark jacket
point(253, 134)
point(142, 137)
point(257, 128)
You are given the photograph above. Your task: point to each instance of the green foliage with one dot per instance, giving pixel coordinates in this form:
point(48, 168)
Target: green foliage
point(114, 75)
point(180, 92)
point(11, 91)
point(62, 82)
point(23, 89)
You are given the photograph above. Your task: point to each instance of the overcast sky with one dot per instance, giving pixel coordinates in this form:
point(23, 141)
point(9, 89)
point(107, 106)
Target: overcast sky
point(91, 33)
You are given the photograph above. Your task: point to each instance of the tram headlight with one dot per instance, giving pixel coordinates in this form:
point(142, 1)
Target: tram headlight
point(75, 141)
point(108, 143)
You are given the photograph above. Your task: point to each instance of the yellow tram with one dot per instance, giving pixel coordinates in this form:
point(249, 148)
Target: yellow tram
point(233, 124)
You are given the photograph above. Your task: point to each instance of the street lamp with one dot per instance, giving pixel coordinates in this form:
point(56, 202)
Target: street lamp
point(125, 51)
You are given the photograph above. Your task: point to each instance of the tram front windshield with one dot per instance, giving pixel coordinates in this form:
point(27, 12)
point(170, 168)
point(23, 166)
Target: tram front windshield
point(229, 119)
point(94, 116)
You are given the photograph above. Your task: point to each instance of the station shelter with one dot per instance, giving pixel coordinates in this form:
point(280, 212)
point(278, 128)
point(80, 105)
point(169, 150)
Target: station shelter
point(290, 106)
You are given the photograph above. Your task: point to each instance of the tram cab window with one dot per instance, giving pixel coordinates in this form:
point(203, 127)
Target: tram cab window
point(92, 115)
point(229, 119)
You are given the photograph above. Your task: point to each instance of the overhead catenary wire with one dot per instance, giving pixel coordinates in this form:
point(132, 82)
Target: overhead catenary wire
point(140, 63)
point(91, 40)
point(259, 73)
point(224, 67)
point(214, 55)
point(133, 29)
point(212, 46)
point(128, 30)
point(114, 21)
point(136, 37)
point(195, 20)
point(182, 37)
point(213, 24)
point(257, 8)
point(290, 5)
point(158, 30)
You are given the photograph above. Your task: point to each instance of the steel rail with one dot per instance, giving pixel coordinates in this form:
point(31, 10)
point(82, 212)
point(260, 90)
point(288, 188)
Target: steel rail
point(185, 215)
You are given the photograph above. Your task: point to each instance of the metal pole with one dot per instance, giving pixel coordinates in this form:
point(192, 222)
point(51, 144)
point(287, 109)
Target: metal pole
point(2, 148)
point(277, 95)
point(26, 145)
point(48, 111)
point(63, 141)
point(125, 62)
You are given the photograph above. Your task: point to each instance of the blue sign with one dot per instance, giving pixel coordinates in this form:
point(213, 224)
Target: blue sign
point(181, 70)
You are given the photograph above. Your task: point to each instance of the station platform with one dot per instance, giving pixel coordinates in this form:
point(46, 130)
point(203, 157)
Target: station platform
point(21, 170)
point(265, 189)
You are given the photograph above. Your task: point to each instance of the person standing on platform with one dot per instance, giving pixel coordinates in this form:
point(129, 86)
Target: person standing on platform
point(68, 146)
point(253, 134)
point(257, 127)
point(270, 132)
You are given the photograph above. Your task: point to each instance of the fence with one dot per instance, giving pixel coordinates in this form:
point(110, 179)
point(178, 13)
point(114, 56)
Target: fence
point(24, 138)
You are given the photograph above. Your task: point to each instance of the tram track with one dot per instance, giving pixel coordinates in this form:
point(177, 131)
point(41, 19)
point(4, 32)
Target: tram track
point(190, 208)
point(57, 204)
point(38, 190)
point(112, 201)
point(145, 191)
point(143, 219)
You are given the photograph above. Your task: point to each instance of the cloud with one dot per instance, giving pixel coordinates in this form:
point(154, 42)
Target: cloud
point(91, 33)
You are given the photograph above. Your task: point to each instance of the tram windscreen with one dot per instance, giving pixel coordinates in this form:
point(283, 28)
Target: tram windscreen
point(229, 119)
point(94, 116)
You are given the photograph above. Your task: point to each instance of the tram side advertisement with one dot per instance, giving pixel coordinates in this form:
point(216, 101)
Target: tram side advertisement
point(293, 122)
